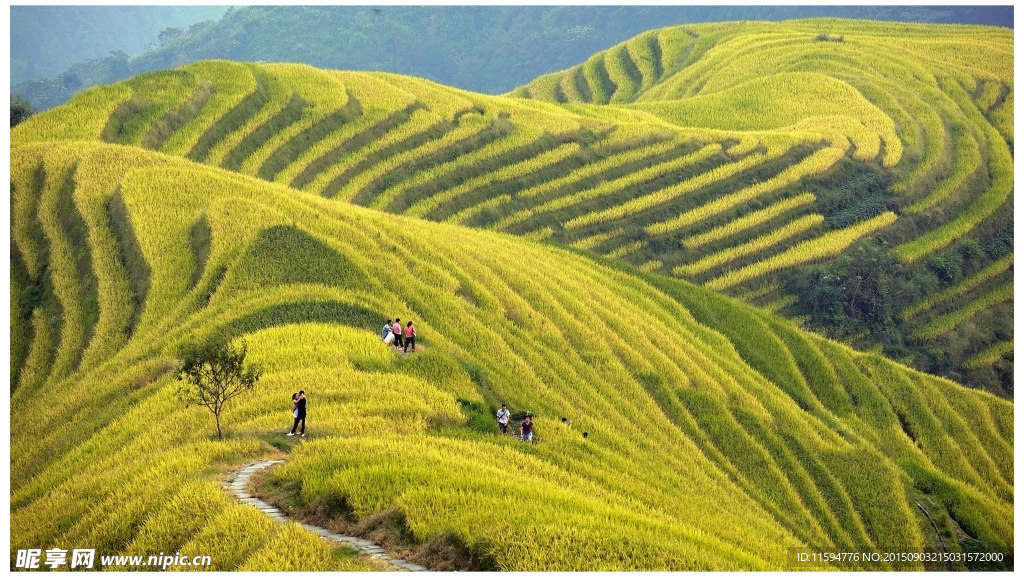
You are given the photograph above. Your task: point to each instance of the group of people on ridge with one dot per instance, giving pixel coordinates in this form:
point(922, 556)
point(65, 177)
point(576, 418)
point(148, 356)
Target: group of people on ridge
point(401, 337)
point(526, 425)
point(503, 415)
point(393, 333)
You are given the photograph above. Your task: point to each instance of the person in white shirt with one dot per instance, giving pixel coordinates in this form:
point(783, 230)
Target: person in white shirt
point(503, 416)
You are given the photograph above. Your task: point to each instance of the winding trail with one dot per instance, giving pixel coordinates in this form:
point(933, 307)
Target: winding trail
point(238, 487)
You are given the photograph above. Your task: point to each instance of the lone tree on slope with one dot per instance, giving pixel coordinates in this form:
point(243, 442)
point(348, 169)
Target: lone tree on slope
point(213, 373)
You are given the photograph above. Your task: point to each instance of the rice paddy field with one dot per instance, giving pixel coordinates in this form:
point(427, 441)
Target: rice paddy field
point(579, 248)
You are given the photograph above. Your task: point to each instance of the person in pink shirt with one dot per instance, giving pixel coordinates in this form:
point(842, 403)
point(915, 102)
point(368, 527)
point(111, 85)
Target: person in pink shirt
point(410, 337)
point(396, 328)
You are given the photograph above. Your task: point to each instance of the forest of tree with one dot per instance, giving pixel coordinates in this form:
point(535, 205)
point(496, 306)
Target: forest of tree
point(47, 40)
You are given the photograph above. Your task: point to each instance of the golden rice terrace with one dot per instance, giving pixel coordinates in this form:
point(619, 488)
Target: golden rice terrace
point(579, 247)
point(738, 156)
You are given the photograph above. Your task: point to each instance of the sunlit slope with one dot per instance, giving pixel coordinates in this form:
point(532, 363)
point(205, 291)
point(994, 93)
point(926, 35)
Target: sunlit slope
point(405, 145)
point(942, 96)
point(720, 437)
point(945, 90)
point(622, 182)
point(726, 154)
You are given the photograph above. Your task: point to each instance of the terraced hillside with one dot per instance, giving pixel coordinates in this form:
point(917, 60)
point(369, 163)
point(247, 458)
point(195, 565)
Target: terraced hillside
point(405, 145)
point(720, 436)
point(947, 92)
point(843, 173)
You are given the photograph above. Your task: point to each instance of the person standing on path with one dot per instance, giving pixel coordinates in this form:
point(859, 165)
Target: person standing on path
point(526, 429)
point(503, 415)
point(385, 332)
point(396, 329)
point(410, 337)
point(300, 414)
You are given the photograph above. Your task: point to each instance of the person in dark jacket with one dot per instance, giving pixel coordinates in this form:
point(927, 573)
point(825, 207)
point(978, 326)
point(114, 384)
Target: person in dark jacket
point(526, 429)
point(300, 414)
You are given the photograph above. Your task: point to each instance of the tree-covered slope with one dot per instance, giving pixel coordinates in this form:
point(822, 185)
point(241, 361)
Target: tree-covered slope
point(47, 40)
point(719, 436)
point(858, 186)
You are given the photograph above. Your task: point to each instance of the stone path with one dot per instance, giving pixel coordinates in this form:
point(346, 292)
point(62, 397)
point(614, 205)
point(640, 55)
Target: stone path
point(240, 483)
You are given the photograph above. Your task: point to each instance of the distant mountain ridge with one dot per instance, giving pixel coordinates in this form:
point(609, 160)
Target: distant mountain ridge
point(490, 49)
point(47, 40)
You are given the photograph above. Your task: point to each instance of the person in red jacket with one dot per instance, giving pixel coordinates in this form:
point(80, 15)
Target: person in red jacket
point(410, 337)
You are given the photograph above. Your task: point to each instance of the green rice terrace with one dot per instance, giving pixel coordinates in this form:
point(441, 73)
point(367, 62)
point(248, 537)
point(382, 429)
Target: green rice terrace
point(581, 247)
